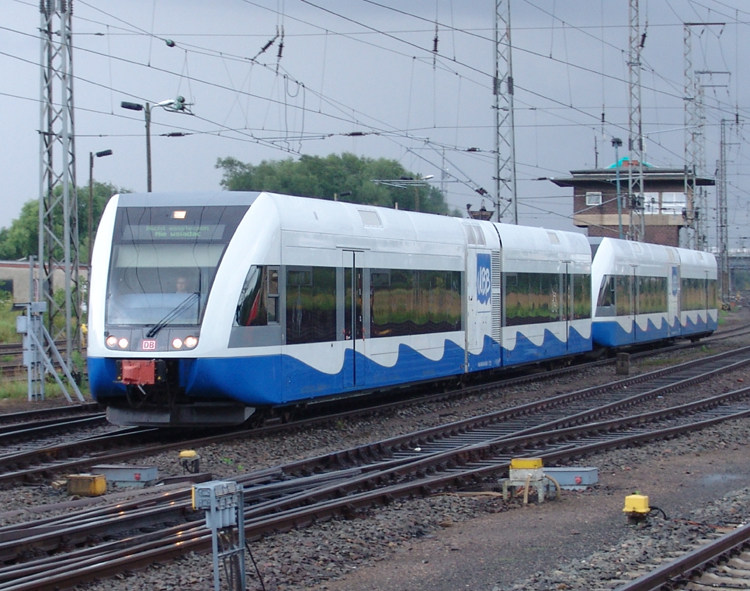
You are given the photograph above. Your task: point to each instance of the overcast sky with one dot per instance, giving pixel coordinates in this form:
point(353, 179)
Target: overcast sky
point(368, 66)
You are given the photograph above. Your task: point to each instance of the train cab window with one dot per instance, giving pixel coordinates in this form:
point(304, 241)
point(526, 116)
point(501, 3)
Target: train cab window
point(163, 266)
point(259, 299)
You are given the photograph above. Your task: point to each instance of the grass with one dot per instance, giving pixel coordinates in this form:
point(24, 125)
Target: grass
point(654, 362)
point(8, 332)
point(16, 389)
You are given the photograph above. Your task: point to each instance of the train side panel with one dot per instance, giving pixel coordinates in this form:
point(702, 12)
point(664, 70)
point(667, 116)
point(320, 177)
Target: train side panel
point(546, 287)
point(699, 312)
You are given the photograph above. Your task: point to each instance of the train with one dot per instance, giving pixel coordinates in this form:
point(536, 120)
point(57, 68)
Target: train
point(221, 308)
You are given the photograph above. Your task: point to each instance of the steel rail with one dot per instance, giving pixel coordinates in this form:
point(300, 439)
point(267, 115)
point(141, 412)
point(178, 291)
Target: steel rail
point(51, 462)
point(181, 539)
point(692, 563)
point(451, 469)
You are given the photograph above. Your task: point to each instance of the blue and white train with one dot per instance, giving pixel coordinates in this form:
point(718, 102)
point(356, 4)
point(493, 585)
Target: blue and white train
point(207, 309)
point(649, 292)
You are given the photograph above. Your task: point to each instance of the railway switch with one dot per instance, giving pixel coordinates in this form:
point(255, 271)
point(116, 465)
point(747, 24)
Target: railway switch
point(637, 508)
point(190, 461)
point(224, 504)
point(525, 473)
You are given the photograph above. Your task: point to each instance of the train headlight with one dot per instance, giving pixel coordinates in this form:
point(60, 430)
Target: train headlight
point(177, 343)
point(123, 343)
point(111, 341)
point(191, 342)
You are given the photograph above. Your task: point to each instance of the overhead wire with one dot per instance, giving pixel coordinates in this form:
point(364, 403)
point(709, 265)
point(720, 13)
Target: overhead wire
point(548, 108)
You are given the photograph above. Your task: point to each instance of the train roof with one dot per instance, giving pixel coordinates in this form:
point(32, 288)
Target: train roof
point(525, 242)
point(620, 256)
point(628, 252)
point(357, 223)
point(186, 199)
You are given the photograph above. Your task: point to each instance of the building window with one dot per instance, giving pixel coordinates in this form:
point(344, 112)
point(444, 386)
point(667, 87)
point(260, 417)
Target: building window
point(651, 203)
point(673, 203)
point(593, 198)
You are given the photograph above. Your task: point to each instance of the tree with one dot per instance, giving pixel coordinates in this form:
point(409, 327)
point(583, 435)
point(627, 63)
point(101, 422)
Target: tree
point(347, 176)
point(21, 239)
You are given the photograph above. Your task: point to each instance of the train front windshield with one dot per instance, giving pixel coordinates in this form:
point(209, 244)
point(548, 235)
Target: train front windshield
point(164, 260)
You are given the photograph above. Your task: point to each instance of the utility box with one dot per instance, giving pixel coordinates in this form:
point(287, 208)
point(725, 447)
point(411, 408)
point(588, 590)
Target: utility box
point(622, 364)
point(125, 476)
point(574, 478)
point(526, 463)
point(87, 485)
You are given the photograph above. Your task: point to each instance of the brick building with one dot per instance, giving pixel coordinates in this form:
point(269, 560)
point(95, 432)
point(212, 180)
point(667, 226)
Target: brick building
point(666, 208)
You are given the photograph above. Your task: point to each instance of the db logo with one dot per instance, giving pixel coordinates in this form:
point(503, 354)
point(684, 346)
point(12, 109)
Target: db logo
point(484, 278)
point(148, 345)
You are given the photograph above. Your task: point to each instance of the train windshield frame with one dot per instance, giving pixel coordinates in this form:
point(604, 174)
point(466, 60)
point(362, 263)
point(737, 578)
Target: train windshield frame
point(164, 261)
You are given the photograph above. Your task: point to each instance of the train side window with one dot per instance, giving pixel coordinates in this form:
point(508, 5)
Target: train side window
point(532, 298)
point(581, 297)
point(251, 310)
point(605, 304)
point(272, 297)
point(624, 295)
point(409, 302)
point(310, 305)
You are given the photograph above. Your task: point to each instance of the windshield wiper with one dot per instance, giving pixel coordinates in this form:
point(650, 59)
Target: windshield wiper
point(184, 305)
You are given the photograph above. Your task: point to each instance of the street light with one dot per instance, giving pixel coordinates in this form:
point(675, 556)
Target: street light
point(616, 143)
point(91, 198)
point(176, 105)
point(404, 183)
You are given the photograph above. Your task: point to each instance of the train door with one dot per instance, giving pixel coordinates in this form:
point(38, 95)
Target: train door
point(705, 300)
point(635, 304)
point(566, 302)
point(354, 328)
point(625, 306)
point(482, 309)
point(673, 300)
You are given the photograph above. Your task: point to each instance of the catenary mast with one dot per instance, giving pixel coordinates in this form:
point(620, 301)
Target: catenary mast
point(505, 144)
point(58, 203)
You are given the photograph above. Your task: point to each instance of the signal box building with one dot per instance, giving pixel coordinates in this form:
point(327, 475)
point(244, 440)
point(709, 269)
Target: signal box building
point(667, 208)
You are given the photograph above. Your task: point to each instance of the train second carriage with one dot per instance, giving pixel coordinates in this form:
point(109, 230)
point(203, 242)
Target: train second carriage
point(208, 308)
point(649, 292)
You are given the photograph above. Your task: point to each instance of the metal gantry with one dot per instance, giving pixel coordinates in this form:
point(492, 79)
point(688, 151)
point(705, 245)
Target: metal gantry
point(505, 143)
point(636, 226)
point(58, 201)
point(693, 139)
point(722, 226)
point(695, 142)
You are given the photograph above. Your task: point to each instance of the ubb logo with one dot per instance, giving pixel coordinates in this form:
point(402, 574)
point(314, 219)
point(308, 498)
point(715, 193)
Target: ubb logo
point(484, 278)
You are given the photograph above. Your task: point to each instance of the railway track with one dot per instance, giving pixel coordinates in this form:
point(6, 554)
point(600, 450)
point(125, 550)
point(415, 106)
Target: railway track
point(103, 541)
point(722, 563)
point(40, 463)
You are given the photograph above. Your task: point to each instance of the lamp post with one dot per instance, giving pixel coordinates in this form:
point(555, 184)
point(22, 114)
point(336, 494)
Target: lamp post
point(177, 105)
point(91, 198)
point(616, 143)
